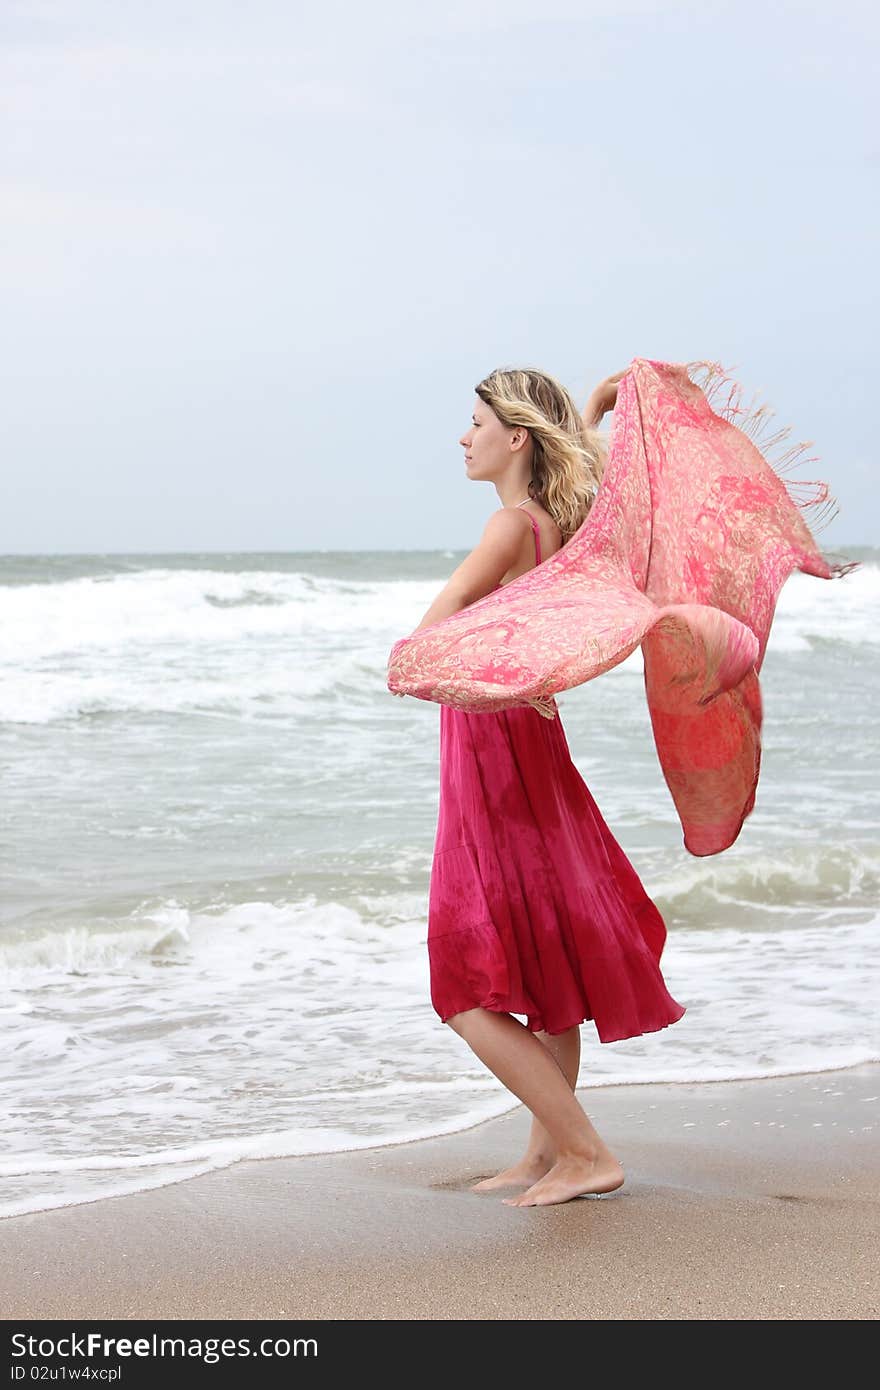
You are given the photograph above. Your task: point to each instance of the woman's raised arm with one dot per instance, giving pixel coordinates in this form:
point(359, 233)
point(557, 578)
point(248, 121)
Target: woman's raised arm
point(602, 399)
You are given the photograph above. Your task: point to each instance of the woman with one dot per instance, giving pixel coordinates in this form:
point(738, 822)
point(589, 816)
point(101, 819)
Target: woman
point(534, 908)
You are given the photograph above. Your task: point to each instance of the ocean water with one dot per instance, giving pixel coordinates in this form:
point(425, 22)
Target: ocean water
point(217, 828)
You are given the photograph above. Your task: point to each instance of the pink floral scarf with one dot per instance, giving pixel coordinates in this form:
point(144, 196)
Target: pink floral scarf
point(689, 540)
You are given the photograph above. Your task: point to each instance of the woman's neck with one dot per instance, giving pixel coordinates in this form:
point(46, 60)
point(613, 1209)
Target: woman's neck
point(511, 494)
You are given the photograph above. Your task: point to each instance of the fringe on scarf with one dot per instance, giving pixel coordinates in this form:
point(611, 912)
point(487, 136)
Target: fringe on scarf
point(724, 395)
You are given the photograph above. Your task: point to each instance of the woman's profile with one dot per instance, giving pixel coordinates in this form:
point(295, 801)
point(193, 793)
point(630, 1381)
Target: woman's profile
point(534, 908)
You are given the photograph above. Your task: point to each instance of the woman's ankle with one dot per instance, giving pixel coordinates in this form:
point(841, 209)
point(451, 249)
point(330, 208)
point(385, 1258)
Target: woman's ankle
point(578, 1153)
point(539, 1157)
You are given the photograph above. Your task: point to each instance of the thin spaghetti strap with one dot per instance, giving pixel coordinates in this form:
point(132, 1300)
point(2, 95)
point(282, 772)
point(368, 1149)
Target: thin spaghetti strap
point(536, 530)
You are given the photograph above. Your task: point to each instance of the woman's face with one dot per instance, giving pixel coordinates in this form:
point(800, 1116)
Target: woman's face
point(489, 446)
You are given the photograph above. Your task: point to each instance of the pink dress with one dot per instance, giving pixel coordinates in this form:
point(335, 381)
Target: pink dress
point(534, 908)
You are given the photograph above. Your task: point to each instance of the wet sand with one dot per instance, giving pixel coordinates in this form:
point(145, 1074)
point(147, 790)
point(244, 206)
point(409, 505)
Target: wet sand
point(747, 1199)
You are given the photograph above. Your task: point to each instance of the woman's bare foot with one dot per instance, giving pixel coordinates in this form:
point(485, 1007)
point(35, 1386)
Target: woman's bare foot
point(572, 1177)
point(527, 1171)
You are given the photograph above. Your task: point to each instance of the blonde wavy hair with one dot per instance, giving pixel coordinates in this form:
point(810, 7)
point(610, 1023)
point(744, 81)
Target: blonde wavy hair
point(568, 455)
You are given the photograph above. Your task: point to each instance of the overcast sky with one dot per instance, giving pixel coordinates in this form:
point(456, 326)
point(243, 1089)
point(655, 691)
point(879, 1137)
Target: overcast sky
point(256, 256)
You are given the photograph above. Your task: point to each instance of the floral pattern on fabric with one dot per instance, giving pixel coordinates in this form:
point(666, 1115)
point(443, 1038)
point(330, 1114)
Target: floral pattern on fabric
point(685, 550)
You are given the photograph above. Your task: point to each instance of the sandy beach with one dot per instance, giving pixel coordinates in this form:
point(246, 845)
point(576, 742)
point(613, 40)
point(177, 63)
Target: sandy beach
point(743, 1200)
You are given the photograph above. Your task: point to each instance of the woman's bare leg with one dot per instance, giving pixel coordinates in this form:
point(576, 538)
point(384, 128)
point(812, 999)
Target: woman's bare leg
point(583, 1162)
point(540, 1154)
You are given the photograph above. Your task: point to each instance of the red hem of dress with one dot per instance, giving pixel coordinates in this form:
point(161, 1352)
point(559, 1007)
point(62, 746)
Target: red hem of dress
point(622, 1037)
